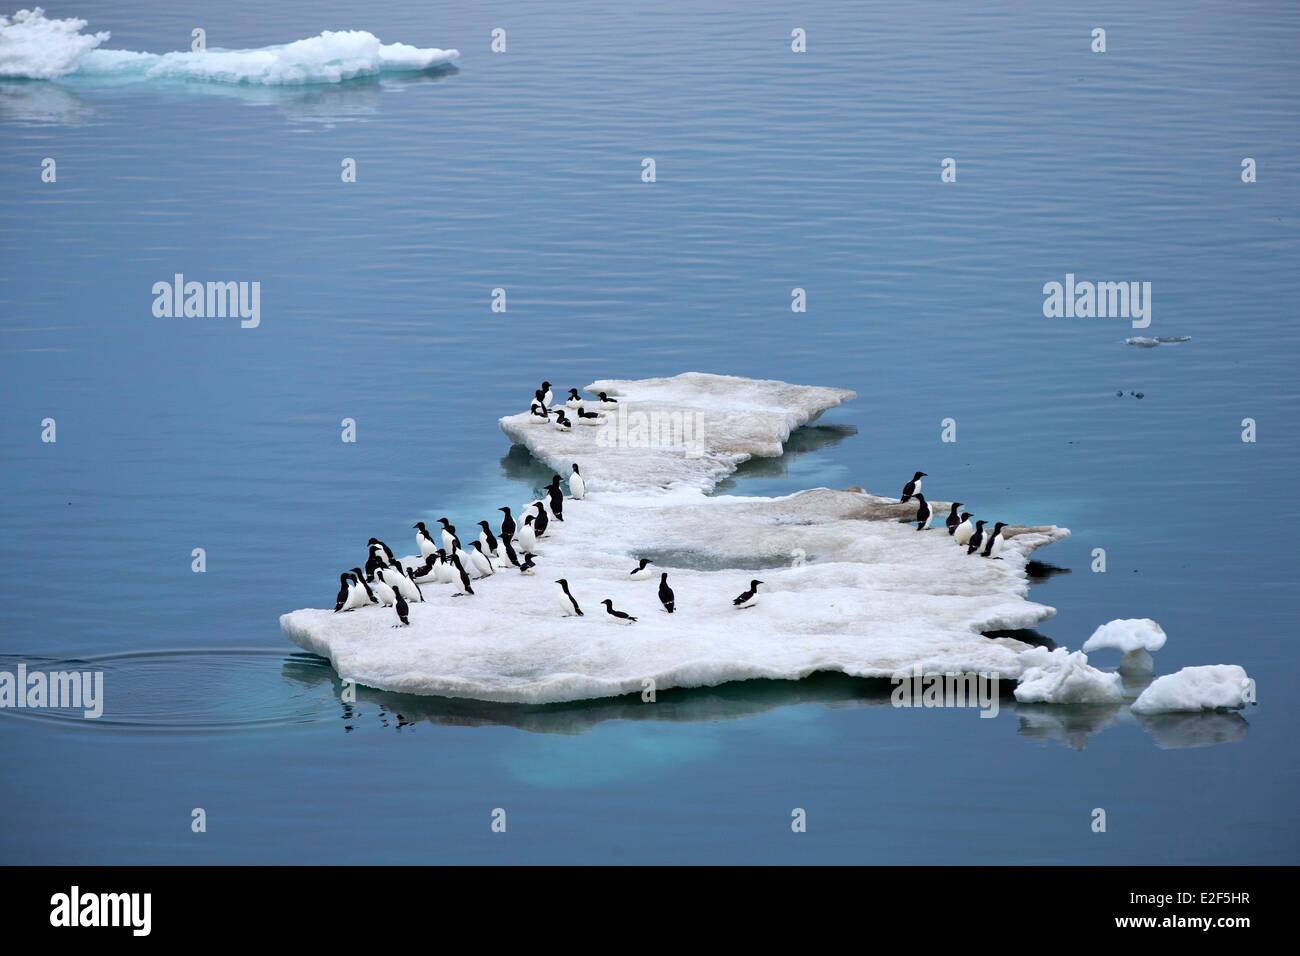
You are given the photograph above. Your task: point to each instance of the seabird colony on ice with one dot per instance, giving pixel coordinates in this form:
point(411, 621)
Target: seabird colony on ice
point(386, 582)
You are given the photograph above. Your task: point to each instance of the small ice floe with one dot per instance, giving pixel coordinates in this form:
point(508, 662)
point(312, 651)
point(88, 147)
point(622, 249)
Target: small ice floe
point(1135, 638)
point(1150, 342)
point(1061, 677)
point(1209, 687)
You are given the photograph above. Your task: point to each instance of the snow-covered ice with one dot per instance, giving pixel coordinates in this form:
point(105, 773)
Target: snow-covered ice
point(1135, 638)
point(1208, 687)
point(1059, 676)
point(875, 597)
point(33, 46)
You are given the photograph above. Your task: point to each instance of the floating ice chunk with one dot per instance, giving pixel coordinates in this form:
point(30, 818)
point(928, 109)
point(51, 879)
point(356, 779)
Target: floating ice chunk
point(879, 599)
point(33, 46)
point(1209, 687)
point(1150, 342)
point(1061, 677)
point(1135, 638)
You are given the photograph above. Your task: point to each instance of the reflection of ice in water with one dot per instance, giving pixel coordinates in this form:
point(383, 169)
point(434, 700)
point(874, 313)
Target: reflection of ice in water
point(28, 101)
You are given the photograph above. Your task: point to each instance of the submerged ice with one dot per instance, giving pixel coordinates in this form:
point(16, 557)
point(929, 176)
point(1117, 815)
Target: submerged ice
point(874, 597)
point(33, 46)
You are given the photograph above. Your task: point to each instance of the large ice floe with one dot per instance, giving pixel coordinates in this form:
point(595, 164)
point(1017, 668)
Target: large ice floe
point(874, 598)
point(33, 46)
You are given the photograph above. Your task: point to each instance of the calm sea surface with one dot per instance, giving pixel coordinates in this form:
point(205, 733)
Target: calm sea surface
point(522, 171)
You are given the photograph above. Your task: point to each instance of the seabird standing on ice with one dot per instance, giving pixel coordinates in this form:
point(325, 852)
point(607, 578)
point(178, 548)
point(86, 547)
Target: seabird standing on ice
point(402, 610)
point(748, 598)
point(544, 394)
point(462, 577)
point(605, 399)
point(528, 565)
point(562, 422)
point(666, 596)
point(527, 536)
point(361, 579)
point(577, 486)
point(445, 573)
point(507, 524)
point(508, 549)
point(913, 486)
point(589, 418)
point(557, 497)
point(976, 539)
point(567, 602)
point(425, 540)
point(574, 398)
point(538, 413)
point(993, 544)
point(403, 584)
point(923, 514)
point(375, 561)
point(425, 572)
point(482, 563)
point(540, 520)
point(350, 596)
point(954, 518)
point(448, 535)
point(487, 538)
point(618, 616)
point(961, 534)
point(382, 589)
point(643, 571)
point(388, 552)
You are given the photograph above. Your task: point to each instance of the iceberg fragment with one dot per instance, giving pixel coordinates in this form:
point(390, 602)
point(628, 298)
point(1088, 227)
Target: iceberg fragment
point(1208, 687)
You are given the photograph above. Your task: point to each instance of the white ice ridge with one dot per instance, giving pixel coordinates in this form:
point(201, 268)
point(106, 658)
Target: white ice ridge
point(1209, 687)
point(1135, 638)
point(1058, 676)
point(33, 46)
point(875, 598)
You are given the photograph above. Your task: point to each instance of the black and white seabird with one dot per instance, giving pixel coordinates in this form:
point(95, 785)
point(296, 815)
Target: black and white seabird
point(577, 486)
point(425, 572)
point(567, 602)
point(666, 596)
point(403, 585)
point(402, 610)
point(540, 520)
point(976, 539)
point(487, 538)
point(562, 421)
point(351, 596)
point(507, 523)
point(574, 398)
point(913, 486)
point(993, 542)
point(508, 549)
point(425, 540)
point(538, 413)
point(544, 394)
point(923, 514)
point(961, 534)
point(605, 399)
point(382, 590)
point(528, 566)
point(954, 518)
point(444, 572)
point(361, 579)
point(482, 563)
point(448, 535)
point(643, 571)
point(618, 616)
point(527, 536)
point(589, 418)
point(748, 598)
point(556, 497)
point(388, 552)
point(461, 578)
point(375, 561)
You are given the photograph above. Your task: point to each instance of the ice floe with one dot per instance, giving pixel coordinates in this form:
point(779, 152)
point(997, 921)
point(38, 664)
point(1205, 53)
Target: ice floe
point(33, 46)
point(1208, 687)
point(1150, 342)
point(1135, 638)
point(1059, 676)
point(874, 598)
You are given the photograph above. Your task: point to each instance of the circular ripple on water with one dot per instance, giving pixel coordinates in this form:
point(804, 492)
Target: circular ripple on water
point(188, 691)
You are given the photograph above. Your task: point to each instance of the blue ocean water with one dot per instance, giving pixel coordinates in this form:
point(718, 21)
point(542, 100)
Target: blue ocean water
point(522, 170)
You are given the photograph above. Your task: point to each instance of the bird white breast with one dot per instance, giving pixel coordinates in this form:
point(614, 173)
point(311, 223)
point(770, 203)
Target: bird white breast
point(750, 603)
point(447, 539)
point(528, 538)
point(356, 597)
point(577, 487)
point(963, 532)
point(481, 562)
point(444, 572)
point(565, 603)
point(383, 591)
point(996, 549)
point(426, 546)
point(645, 573)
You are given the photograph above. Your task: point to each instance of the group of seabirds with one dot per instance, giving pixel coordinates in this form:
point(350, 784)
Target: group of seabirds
point(386, 582)
point(972, 537)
